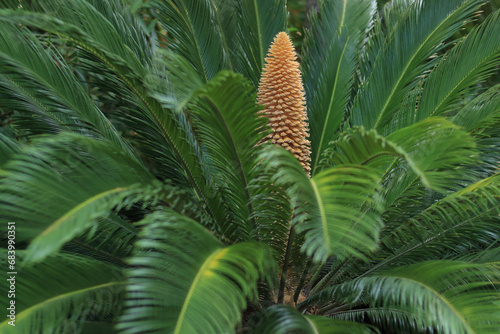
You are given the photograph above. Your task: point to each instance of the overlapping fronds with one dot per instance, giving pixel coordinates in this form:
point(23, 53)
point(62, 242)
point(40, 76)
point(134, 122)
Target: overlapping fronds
point(179, 271)
point(408, 151)
point(471, 61)
point(126, 147)
point(482, 112)
point(338, 209)
point(229, 130)
point(8, 147)
point(281, 319)
point(172, 80)
point(358, 146)
point(62, 293)
point(115, 54)
point(37, 80)
point(227, 125)
point(258, 21)
point(461, 222)
point(39, 189)
point(481, 117)
point(404, 57)
point(440, 147)
point(488, 255)
point(194, 32)
point(464, 222)
point(85, 23)
point(330, 54)
point(443, 296)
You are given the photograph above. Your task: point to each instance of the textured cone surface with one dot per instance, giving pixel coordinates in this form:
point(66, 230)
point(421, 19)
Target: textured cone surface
point(281, 92)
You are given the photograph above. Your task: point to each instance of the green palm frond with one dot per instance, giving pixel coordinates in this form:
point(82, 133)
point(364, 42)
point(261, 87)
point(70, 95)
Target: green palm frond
point(359, 208)
point(180, 269)
point(403, 58)
point(108, 54)
point(445, 296)
point(330, 54)
point(440, 147)
point(481, 117)
point(329, 94)
point(491, 254)
point(386, 21)
point(413, 150)
point(461, 222)
point(482, 112)
point(392, 12)
point(84, 24)
point(464, 222)
point(8, 148)
point(37, 81)
point(59, 294)
point(144, 198)
point(258, 22)
point(330, 204)
point(471, 61)
point(166, 138)
point(172, 81)
point(193, 31)
point(38, 189)
point(110, 240)
point(225, 12)
point(9, 4)
point(227, 126)
point(279, 319)
point(127, 29)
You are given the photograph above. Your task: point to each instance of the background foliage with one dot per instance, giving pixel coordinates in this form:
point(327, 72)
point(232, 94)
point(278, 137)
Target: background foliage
point(132, 162)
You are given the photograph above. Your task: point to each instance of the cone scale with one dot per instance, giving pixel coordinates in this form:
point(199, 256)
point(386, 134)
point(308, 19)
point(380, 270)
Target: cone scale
point(281, 92)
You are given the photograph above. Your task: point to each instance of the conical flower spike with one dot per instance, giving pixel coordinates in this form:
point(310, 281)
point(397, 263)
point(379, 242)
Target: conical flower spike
point(281, 92)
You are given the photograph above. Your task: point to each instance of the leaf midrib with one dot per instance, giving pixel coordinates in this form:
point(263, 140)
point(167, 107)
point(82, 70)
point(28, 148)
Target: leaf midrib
point(312, 326)
point(403, 73)
point(321, 207)
point(196, 41)
point(259, 34)
point(343, 15)
point(77, 208)
point(148, 104)
point(234, 151)
point(426, 241)
point(33, 308)
point(440, 297)
point(192, 288)
point(471, 72)
point(223, 35)
point(321, 144)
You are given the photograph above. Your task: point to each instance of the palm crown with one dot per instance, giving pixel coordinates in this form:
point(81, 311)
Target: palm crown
point(146, 199)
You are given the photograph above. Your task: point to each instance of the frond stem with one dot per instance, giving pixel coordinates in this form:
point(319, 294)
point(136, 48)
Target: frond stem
point(302, 280)
point(148, 104)
point(281, 291)
point(238, 162)
point(420, 244)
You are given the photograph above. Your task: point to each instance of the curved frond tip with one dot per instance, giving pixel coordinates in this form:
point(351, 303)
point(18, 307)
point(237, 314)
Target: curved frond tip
point(183, 280)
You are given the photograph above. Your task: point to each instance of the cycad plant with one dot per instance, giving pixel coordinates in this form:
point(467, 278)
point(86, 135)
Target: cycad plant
point(148, 193)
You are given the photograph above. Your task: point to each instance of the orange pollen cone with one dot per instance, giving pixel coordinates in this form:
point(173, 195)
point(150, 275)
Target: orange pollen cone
point(281, 92)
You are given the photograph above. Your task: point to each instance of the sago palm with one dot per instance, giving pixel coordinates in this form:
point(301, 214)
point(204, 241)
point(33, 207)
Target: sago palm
point(141, 166)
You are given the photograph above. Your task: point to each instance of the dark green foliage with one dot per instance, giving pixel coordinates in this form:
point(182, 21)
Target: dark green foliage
point(145, 201)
